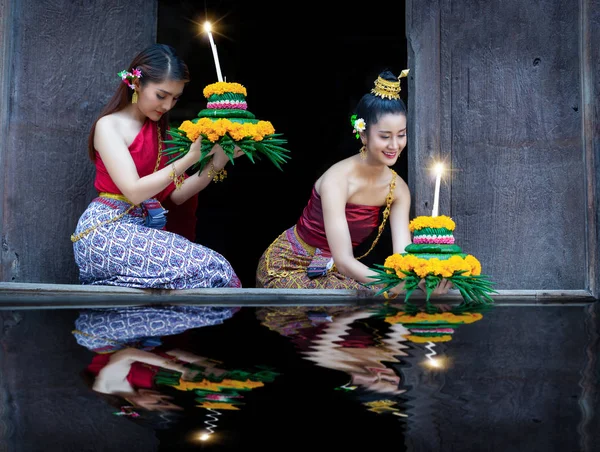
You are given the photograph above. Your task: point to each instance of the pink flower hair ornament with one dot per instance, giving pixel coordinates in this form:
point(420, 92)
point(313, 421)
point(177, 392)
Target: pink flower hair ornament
point(129, 77)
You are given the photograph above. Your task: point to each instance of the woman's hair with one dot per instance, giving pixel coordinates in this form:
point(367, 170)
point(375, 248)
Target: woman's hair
point(371, 107)
point(158, 63)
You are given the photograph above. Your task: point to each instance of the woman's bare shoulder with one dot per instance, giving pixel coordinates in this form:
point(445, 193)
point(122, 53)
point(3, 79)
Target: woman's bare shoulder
point(336, 177)
point(109, 124)
point(402, 190)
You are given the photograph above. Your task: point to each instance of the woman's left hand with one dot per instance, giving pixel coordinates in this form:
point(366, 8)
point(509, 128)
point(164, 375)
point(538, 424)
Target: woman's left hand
point(220, 159)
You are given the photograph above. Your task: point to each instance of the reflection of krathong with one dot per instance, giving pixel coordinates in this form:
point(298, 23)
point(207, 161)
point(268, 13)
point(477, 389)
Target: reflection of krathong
point(216, 393)
point(384, 406)
point(437, 327)
point(432, 326)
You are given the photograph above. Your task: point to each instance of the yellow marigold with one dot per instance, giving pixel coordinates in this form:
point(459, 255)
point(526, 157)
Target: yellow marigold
point(422, 222)
point(394, 261)
point(475, 265)
point(217, 406)
point(423, 268)
point(212, 386)
point(423, 317)
point(215, 130)
point(204, 123)
point(410, 260)
point(445, 270)
point(238, 132)
point(421, 339)
point(221, 126)
point(265, 128)
point(222, 88)
point(191, 130)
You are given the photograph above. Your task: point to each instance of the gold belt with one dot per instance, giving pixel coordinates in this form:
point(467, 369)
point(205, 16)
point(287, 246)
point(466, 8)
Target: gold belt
point(114, 196)
point(77, 237)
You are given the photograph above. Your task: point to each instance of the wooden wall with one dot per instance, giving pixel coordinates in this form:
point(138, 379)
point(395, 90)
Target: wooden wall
point(59, 67)
point(505, 92)
point(495, 92)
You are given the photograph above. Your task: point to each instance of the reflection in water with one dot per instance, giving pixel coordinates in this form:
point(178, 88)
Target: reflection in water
point(138, 368)
point(344, 378)
point(369, 344)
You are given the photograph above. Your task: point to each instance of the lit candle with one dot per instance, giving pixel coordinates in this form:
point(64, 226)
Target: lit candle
point(207, 28)
point(439, 168)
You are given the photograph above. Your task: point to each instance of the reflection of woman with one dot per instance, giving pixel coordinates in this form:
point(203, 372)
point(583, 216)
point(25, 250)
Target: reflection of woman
point(108, 330)
point(128, 370)
point(140, 381)
point(339, 338)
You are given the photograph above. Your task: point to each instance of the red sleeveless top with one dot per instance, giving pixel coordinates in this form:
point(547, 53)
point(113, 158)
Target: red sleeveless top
point(362, 221)
point(144, 152)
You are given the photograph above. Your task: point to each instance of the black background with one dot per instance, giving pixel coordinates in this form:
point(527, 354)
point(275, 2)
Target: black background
point(305, 68)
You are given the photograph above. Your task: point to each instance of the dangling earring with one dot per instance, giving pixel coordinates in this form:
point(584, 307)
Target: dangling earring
point(363, 153)
point(134, 97)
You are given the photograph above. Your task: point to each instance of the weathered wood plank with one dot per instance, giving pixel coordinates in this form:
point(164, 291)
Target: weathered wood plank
point(424, 105)
point(60, 296)
point(65, 56)
point(514, 134)
point(590, 19)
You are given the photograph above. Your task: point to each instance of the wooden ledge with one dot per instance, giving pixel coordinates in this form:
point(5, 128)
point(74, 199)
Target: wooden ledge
point(72, 296)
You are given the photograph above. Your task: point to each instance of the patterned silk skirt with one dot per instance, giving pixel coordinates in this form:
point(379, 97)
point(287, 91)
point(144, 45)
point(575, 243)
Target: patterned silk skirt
point(285, 262)
point(109, 330)
point(117, 249)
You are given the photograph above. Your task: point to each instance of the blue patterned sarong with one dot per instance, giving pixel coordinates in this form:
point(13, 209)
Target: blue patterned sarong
point(127, 253)
point(111, 329)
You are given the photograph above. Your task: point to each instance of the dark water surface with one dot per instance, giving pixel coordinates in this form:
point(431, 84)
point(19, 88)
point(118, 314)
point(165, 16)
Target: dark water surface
point(513, 378)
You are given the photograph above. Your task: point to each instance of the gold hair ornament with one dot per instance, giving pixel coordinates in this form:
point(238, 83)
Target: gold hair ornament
point(387, 89)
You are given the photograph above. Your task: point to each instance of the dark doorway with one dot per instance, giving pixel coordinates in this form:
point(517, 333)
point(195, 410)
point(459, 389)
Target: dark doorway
point(304, 68)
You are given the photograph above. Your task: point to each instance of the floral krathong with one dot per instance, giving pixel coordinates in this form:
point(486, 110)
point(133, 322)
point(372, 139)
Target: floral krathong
point(255, 138)
point(463, 272)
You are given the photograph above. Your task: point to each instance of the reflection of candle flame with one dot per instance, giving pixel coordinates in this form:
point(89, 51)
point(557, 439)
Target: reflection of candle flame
point(211, 422)
point(432, 352)
point(431, 361)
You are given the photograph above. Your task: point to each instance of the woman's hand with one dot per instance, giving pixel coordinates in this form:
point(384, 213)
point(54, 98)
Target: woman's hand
point(442, 288)
point(396, 290)
point(195, 149)
point(220, 159)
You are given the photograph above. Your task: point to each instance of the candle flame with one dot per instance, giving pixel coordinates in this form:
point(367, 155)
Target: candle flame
point(207, 27)
point(439, 168)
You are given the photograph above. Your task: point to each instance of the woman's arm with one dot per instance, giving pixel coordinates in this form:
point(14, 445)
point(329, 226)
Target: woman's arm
point(120, 166)
point(399, 217)
point(334, 194)
point(199, 181)
point(131, 355)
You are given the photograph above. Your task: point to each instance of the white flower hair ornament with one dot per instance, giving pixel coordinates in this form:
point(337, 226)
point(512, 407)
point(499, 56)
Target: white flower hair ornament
point(358, 124)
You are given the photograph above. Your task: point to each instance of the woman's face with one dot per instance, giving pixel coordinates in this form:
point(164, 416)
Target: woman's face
point(378, 379)
point(156, 99)
point(386, 139)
